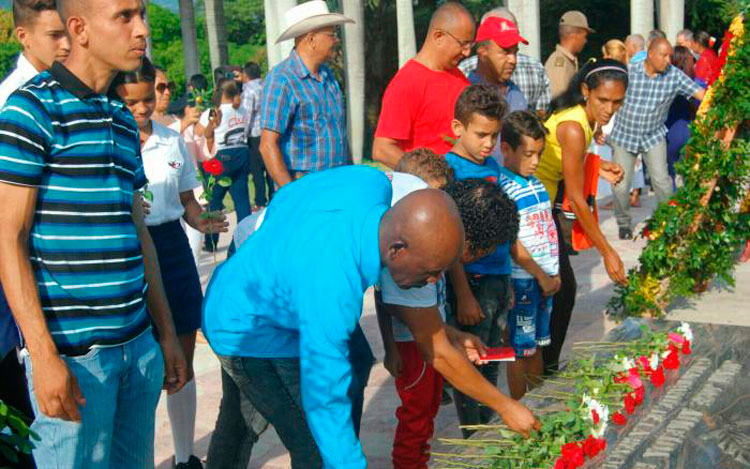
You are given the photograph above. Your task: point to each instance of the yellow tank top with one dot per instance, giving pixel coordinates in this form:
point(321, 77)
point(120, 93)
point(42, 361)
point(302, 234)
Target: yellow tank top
point(550, 167)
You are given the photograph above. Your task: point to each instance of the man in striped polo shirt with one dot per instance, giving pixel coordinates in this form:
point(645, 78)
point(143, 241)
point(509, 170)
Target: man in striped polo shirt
point(78, 267)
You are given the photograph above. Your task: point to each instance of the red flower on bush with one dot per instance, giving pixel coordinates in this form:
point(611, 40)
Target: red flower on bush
point(593, 446)
point(640, 393)
point(573, 455)
point(672, 362)
point(645, 232)
point(619, 419)
point(595, 416)
point(629, 404)
point(673, 203)
point(686, 348)
point(657, 379)
point(213, 166)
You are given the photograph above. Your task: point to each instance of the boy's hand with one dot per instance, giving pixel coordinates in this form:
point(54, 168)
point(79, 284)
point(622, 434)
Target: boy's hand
point(469, 311)
point(612, 172)
point(549, 285)
point(471, 345)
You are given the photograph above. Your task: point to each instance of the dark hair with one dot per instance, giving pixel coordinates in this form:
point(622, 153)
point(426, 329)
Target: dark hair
point(199, 82)
point(703, 38)
point(145, 74)
point(25, 12)
point(227, 87)
point(252, 70)
point(484, 100)
point(521, 124)
point(593, 74)
point(681, 58)
point(489, 216)
point(426, 165)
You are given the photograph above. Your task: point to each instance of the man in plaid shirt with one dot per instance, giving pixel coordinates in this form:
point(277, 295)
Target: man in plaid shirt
point(639, 125)
point(529, 75)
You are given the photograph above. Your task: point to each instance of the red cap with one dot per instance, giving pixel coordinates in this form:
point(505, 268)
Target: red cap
point(503, 32)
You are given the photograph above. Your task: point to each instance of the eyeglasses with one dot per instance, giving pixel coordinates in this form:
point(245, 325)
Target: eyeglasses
point(162, 87)
point(335, 35)
point(465, 44)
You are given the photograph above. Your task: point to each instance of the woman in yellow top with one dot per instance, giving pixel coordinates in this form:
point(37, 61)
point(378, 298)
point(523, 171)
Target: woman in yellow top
point(594, 95)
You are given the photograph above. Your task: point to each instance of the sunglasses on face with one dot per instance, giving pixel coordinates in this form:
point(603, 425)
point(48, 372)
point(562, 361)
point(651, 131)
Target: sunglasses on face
point(162, 87)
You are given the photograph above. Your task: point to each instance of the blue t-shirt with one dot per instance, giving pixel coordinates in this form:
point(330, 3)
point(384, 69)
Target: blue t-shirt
point(294, 289)
point(497, 263)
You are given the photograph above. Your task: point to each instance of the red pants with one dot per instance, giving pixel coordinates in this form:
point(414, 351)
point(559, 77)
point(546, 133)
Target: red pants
point(420, 388)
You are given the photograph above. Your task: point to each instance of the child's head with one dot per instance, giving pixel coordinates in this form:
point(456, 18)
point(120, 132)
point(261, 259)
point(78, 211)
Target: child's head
point(489, 216)
point(522, 142)
point(41, 32)
point(426, 165)
point(476, 121)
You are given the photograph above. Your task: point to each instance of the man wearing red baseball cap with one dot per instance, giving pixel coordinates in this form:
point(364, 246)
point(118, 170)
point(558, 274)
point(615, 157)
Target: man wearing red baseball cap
point(497, 49)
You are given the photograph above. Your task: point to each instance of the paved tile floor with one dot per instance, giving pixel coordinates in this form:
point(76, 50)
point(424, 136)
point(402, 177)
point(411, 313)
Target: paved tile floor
point(379, 422)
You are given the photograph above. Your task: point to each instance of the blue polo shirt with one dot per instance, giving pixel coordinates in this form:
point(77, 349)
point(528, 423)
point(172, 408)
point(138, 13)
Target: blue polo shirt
point(295, 288)
point(82, 152)
point(497, 263)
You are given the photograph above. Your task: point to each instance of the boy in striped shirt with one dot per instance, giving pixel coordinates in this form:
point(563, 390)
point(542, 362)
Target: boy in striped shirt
point(534, 276)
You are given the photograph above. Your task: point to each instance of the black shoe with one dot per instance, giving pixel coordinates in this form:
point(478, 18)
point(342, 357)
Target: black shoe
point(193, 463)
point(626, 233)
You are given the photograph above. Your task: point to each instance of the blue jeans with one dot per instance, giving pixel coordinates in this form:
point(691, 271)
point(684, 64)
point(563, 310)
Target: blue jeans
point(236, 162)
point(528, 321)
point(273, 388)
point(121, 386)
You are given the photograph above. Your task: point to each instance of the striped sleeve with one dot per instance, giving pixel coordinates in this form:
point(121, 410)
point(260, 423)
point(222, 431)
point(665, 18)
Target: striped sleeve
point(25, 139)
point(276, 107)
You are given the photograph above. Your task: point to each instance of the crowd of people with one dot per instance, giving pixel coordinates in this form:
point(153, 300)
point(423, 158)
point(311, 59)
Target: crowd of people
point(493, 162)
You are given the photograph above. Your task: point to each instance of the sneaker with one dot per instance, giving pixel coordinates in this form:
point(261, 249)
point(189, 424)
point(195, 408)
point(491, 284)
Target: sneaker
point(193, 463)
point(626, 233)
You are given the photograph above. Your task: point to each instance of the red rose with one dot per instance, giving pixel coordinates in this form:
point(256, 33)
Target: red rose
point(672, 362)
point(573, 455)
point(629, 404)
point(645, 364)
point(657, 379)
point(672, 203)
point(640, 393)
point(673, 347)
point(686, 348)
point(645, 232)
point(619, 419)
point(602, 444)
point(595, 416)
point(591, 447)
point(213, 166)
point(561, 464)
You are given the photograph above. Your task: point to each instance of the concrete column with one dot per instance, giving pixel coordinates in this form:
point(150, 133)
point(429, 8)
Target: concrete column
point(275, 25)
point(672, 18)
point(527, 14)
point(641, 17)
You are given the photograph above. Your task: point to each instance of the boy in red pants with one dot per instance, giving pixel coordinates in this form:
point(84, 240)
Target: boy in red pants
point(487, 215)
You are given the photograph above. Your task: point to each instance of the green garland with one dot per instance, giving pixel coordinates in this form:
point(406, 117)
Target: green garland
point(693, 239)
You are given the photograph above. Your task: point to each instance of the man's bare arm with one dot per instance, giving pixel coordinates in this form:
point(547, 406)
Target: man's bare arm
point(386, 151)
point(56, 389)
point(272, 157)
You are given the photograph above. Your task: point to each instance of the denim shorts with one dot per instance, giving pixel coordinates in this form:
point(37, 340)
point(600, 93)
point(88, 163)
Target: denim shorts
point(528, 321)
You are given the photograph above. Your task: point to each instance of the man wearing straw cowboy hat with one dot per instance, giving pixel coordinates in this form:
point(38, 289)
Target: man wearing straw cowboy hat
point(302, 116)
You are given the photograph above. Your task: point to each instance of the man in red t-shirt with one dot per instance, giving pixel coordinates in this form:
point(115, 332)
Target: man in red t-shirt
point(418, 103)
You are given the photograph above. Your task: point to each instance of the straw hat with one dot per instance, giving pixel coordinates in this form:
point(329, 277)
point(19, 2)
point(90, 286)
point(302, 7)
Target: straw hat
point(310, 16)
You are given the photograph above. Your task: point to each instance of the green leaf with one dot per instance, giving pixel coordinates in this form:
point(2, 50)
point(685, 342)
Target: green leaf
point(225, 181)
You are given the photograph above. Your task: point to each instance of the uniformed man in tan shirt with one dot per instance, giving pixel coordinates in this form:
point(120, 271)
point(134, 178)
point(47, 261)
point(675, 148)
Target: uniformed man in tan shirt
point(562, 64)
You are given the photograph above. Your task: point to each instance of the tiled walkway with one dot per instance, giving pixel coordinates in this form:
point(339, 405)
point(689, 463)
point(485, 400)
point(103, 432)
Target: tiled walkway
point(379, 422)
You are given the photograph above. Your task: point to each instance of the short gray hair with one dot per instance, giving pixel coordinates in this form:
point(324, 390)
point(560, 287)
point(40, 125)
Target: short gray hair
point(687, 34)
point(637, 40)
point(500, 12)
point(656, 34)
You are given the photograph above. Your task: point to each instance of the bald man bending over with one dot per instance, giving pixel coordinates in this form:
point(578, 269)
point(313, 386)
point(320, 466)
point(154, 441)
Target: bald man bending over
point(640, 125)
point(280, 313)
point(418, 103)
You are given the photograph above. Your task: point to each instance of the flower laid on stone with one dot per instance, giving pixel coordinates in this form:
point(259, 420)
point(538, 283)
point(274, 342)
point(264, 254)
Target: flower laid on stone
point(606, 382)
